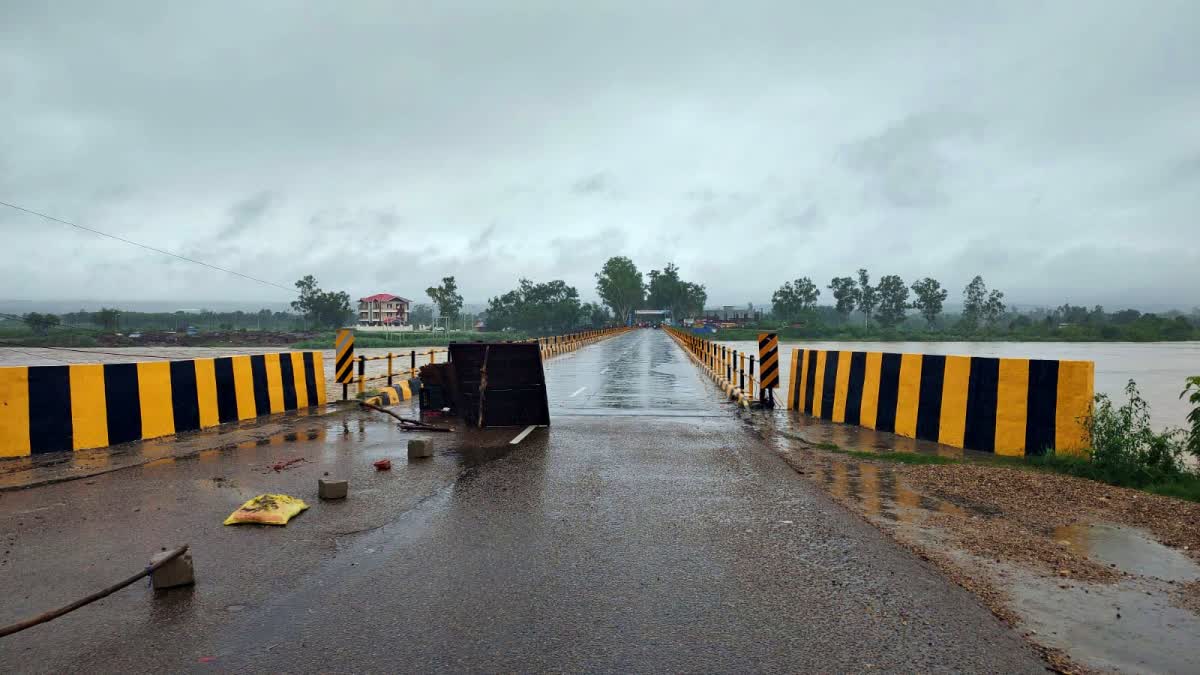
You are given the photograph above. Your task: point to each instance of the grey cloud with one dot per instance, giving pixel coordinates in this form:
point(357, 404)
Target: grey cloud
point(1050, 147)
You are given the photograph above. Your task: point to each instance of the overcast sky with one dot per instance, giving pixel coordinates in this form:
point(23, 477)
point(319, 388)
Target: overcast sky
point(1053, 148)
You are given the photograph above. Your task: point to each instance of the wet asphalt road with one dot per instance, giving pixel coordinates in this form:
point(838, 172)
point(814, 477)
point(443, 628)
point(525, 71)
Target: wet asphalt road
point(648, 530)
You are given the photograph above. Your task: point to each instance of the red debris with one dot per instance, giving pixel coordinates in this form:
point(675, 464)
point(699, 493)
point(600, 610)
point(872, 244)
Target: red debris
point(280, 466)
point(384, 465)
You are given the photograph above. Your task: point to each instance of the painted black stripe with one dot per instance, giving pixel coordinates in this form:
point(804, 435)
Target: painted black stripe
point(289, 381)
point(50, 428)
point(829, 385)
point(764, 342)
point(1042, 406)
point(929, 405)
point(342, 360)
point(889, 392)
point(226, 390)
point(810, 381)
point(982, 396)
point(854, 390)
point(310, 378)
point(185, 401)
point(262, 396)
point(122, 402)
point(770, 371)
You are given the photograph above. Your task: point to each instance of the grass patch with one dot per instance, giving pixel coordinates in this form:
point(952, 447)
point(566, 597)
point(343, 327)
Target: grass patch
point(826, 445)
point(903, 457)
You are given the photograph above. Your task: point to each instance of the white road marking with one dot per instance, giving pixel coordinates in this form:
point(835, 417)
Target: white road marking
point(521, 436)
point(577, 392)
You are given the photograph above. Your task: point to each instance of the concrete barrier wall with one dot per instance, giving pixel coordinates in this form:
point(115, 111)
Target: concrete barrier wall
point(1005, 406)
point(76, 407)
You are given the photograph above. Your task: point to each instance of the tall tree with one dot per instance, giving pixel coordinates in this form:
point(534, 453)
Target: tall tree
point(930, 298)
point(107, 318)
point(666, 290)
point(446, 297)
point(845, 294)
point(323, 308)
point(993, 308)
point(893, 300)
point(867, 297)
point(620, 285)
point(40, 324)
point(974, 299)
point(794, 299)
point(421, 314)
point(548, 307)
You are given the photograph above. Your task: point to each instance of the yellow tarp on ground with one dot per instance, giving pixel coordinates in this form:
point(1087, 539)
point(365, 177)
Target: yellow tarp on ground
point(267, 510)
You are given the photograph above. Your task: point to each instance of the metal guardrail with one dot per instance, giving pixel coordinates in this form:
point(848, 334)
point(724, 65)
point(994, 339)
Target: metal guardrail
point(549, 346)
point(734, 370)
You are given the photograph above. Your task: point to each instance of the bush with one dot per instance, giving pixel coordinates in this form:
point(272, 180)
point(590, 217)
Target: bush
point(1193, 418)
point(1126, 450)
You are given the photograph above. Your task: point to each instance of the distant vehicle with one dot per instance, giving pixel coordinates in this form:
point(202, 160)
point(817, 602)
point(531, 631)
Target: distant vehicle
point(135, 336)
point(192, 331)
point(439, 329)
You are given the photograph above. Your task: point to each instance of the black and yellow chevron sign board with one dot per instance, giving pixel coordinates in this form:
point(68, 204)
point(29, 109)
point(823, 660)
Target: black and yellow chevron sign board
point(344, 347)
point(768, 360)
point(93, 405)
point(1001, 405)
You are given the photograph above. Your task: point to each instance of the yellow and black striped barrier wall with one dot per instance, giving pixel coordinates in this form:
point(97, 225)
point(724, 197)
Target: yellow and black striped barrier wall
point(82, 406)
point(403, 390)
point(1005, 406)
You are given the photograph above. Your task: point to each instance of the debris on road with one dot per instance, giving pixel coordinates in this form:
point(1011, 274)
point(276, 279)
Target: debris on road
point(280, 466)
point(383, 465)
point(405, 423)
point(267, 510)
point(159, 561)
point(172, 569)
point(419, 448)
point(332, 489)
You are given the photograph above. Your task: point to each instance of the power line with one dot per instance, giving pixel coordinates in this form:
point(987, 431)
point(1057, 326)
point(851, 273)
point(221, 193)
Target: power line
point(146, 246)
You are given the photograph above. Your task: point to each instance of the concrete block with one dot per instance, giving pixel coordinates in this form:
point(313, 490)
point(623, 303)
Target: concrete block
point(178, 572)
point(419, 448)
point(332, 489)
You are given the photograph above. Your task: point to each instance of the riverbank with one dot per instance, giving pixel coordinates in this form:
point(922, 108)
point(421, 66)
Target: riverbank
point(1180, 333)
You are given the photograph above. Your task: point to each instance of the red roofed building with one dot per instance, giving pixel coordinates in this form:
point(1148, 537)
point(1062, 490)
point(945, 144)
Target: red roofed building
point(383, 309)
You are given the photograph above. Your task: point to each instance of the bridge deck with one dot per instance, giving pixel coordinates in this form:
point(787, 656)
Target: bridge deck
point(647, 529)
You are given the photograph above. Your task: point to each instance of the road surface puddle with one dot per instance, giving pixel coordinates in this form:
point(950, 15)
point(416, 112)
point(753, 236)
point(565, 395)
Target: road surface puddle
point(1129, 550)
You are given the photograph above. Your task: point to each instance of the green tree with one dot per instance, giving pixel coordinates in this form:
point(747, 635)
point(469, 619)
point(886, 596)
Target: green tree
point(794, 299)
point(845, 294)
point(868, 298)
point(993, 308)
point(692, 305)
point(620, 285)
point(41, 324)
point(666, 290)
point(893, 300)
point(593, 315)
point(446, 297)
point(974, 300)
point(548, 307)
point(107, 318)
point(325, 309)
point(930, 297)
point(1192, 391)
point(421, 315)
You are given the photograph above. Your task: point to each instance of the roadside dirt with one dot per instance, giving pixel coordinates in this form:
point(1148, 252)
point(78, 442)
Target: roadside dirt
point(1007, 533)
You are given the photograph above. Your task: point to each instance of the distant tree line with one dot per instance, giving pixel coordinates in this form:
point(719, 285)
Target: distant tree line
point(884, 308)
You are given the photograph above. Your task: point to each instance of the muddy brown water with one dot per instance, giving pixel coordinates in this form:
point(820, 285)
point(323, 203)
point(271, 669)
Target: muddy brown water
point(1159, 368)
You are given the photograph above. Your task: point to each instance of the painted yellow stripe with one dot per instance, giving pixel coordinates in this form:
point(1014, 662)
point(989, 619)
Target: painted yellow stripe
point(206, 393)
point(793, 382)
point(1076, 383)
point(801, 401)
point(841, 386)
point(274, 382)
point(406, 390)
point(1012, 400)
point(14, 412)
point(154, 391)
point(298, 378)
point(869, 412)
point(909, 395)
point(89, 415)
point(953, 420)
point(819, 383)
point(319, 371)
point(243, 385)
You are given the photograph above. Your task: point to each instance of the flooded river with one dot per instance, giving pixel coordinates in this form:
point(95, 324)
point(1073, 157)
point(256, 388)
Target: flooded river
point(1159, 368)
